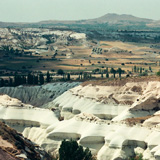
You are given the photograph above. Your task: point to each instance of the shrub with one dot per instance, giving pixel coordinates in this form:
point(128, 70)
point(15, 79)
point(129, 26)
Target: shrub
point(143, 74)
point(158, 73)
point(60, 72)
point(70, 150)
point(137, 157)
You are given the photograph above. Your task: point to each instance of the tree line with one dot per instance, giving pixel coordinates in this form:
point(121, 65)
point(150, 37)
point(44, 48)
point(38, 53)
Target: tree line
point(30, 79)
point(40, 79)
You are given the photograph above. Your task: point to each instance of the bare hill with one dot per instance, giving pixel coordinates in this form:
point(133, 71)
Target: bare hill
point(108, 18)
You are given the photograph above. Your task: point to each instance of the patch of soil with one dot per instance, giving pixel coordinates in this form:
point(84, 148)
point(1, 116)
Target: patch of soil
point(134, 121)
point(121, 82)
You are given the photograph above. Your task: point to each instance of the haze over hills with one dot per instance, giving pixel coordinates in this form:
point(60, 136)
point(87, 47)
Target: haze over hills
point(115, 18)
point(108, 18)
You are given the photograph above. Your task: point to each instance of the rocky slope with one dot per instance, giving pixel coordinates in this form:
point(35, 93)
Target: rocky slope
point(19, 115)
point(13, 146)
point(38, 95)
point(114, 121)
point(111, 102)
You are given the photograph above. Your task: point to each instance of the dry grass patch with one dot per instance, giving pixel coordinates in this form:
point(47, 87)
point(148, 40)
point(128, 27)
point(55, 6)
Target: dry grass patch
point(121, 82)
point(134, 121)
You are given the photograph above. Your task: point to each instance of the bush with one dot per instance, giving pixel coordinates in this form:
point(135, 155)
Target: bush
point(70, 150)
point(60, 72)
point(158, 73)
point(137, 157)
point(143, 74)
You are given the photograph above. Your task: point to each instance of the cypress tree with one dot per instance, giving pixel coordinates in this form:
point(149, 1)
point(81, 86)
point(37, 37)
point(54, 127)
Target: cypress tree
point(113, 71)
point(141, 70)
point(107, 75)
point(41, 79)
point(24, 79)
point(101, 74)
point(35, 79)
point(48, 77)
point(2, 84)
point(30, 78)
point(119, 72)
point(135, 69)
point(68, 77)
point(10, 81)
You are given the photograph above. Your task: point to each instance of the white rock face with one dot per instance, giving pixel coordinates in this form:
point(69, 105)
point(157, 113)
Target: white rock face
point(107, 140)
point(38, 95)
point(93, 116)
point(14, 112)
point(78, 35)
point(111, 102)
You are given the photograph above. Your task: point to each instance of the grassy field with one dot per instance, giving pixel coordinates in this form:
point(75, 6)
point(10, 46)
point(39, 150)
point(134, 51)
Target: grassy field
point(76, 58)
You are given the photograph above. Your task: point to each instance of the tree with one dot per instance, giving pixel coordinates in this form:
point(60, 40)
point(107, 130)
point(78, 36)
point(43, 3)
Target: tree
point(113, 71)
point(41, 79)
point(35, 79)
point(107, 75)
point(158, 73)
point(141, 69)
point(60, 72)
point(138, 69)
point(24, 81)
point(85, 75)
point(30, 78)
point(70, 150)
point(18, 80)
point(68, 77)
point(119, 71)
point(80, 75)
point(48, 77)
point(135, 69)
point(2, 83)
point(101, 74)
point(10, 81)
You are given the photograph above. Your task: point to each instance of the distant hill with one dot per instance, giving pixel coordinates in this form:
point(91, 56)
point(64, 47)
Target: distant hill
point(9, 24)
point(115, 18)
point(108, 18)
point(112, 19)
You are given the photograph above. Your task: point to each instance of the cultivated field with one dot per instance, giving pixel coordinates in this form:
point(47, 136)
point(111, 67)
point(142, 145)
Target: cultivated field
point(82, 58)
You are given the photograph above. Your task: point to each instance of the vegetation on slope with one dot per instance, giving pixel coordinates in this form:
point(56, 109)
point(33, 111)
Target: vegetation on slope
point(70, 150)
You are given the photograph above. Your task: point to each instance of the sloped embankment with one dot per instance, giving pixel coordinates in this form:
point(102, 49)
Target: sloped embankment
point(110, 102)
point(38, 95)
point(20, 115)
point(13, 146)
point(115, 122)
point(95, 116)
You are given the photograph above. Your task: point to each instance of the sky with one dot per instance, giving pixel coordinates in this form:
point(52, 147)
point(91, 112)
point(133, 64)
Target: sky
point(39, 10)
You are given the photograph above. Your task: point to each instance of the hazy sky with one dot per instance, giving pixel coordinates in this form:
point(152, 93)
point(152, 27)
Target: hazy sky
point(38, 10)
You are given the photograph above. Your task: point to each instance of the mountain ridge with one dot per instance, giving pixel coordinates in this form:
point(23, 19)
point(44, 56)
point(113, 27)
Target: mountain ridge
point(110, 18)
point(105, 18)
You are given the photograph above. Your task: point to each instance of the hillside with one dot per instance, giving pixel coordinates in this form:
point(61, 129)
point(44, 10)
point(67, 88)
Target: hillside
point(100, 115)
point(13, 146)
point(110, 18)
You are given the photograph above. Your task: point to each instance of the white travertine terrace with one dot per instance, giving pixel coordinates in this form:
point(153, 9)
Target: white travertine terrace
point(95, 117)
